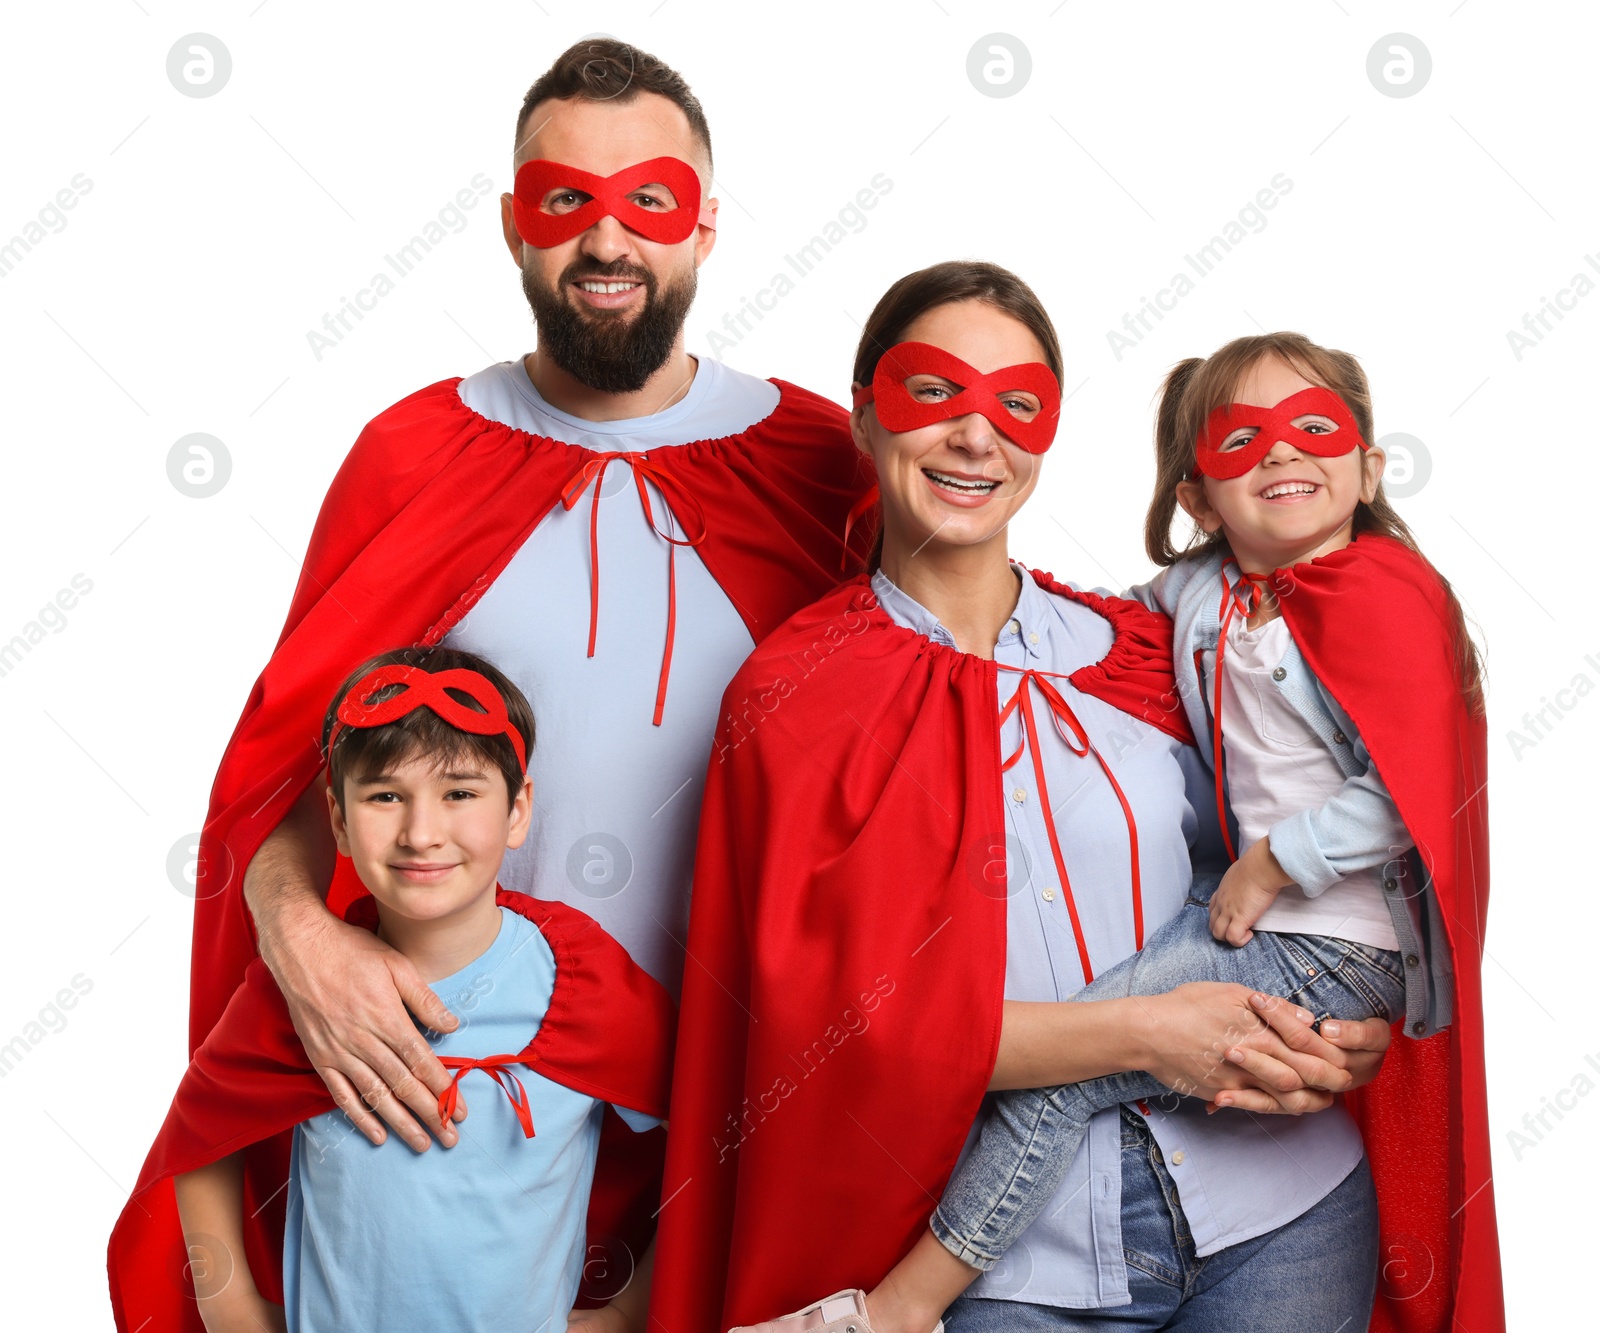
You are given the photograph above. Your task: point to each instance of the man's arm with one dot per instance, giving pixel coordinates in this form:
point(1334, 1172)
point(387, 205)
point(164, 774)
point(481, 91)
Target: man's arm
point(347, 991)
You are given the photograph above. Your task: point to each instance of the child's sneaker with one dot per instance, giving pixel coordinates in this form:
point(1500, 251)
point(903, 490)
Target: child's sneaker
point(843, 1312)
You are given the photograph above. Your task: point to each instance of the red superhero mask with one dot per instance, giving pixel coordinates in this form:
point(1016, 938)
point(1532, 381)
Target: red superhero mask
point(426, 689)
point(608, 197)
point(1273, 424)
point(899, 411)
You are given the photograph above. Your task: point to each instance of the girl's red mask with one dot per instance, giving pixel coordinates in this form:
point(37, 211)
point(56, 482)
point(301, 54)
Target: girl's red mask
point(608, 197)
point(1273, 424)
point(899, 411)
point(427, 689)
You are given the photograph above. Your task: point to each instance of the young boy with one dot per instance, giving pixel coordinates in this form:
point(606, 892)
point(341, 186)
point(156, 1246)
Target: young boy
point(427, 789)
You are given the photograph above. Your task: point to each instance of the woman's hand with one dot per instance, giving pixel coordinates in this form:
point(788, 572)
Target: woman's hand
point(1346, 1054)
point(1236, 1047)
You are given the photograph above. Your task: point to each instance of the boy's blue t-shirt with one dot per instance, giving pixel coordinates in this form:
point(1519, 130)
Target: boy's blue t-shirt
point(488, 1235)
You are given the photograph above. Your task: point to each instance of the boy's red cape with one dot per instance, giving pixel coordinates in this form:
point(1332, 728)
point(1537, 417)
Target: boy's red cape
point(607, 1034)
point(428, 508)
point(841, 1022)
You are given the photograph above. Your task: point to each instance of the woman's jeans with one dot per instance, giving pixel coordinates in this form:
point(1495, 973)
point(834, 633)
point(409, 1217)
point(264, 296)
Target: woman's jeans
point(1029, 1136)
point(1316, 1274)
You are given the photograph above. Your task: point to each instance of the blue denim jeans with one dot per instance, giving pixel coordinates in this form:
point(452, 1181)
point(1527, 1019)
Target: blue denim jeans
point(1316, 1274)
point(1029, 1136)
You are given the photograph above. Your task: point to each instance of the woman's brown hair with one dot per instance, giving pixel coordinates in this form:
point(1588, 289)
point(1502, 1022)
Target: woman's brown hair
point(944, 284)
point(1196, 387)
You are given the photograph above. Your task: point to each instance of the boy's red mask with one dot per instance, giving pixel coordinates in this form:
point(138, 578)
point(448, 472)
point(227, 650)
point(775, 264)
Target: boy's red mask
point(1273, 424)
point(426, 689)
point(608, 197)
point(899, 411)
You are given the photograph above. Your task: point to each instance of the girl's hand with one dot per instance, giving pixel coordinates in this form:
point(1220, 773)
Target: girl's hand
point(1250, 887)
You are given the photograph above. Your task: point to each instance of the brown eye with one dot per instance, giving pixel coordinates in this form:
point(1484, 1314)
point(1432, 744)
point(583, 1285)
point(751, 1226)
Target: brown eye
point(1237, 440)
point(1315, 425)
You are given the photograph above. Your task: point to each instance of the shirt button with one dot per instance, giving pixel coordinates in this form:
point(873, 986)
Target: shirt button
point(1012, 627)
point(1390, 884)
point(1417, 1028)
point(1177, 1158)
point(1033, 638)
point(1339, 738)
point(1412, 960)
point(1019, 794)
point(1278, 673)
point(1049, 895)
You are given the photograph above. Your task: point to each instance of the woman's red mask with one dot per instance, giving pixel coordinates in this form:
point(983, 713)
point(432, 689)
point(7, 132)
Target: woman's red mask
point(426, 689)
point(1273, 424)
point(899, 411)
point(608, 197)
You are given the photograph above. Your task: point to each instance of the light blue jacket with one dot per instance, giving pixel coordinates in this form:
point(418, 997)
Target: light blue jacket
point(1358, 826)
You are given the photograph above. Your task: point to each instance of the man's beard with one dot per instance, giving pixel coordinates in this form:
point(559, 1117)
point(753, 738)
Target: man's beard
point(608, 350)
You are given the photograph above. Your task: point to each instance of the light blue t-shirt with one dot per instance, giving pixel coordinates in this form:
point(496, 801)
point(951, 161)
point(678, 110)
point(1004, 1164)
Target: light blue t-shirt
point(618, 798)
point(488, 1235)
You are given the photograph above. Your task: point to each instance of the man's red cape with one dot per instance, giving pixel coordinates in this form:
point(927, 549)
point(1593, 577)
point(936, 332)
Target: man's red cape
point(607, 1034)
point(428, 508)
point(1375, 625)
point(840, 1019)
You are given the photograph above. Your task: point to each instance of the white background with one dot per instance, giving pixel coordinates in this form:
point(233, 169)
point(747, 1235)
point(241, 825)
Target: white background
point(219, 230)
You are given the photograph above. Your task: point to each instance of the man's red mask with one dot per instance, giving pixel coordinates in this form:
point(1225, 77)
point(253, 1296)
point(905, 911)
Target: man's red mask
point(1273, 424)
point(899, 411)
point(608, 197)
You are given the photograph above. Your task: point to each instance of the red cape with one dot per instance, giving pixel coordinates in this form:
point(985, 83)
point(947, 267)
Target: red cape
point(1425, 1119)
point(842, 1019)
point(607, 1033)
point(430, 505)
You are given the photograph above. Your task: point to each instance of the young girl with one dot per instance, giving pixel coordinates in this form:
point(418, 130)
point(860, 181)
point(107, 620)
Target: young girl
point(1302, 607)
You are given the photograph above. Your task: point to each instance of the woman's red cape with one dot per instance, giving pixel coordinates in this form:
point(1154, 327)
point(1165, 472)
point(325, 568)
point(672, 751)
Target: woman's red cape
point(841, 1008)
point(429, 506)
point(607, 1033)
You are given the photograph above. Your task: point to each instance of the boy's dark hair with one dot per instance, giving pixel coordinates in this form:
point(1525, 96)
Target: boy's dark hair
point(606, 70)
point(361, 751)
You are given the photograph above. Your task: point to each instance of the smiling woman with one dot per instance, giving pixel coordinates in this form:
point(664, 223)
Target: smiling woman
point(879, 827)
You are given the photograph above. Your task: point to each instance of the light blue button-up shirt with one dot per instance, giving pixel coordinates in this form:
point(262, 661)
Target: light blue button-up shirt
point(1238, 1175)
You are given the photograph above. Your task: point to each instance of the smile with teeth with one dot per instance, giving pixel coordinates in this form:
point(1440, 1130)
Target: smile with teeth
point(607, 288)
point(1289, 488)
point(960, 485)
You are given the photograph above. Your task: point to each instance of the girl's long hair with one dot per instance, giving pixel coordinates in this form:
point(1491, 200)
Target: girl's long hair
point(1196, 387)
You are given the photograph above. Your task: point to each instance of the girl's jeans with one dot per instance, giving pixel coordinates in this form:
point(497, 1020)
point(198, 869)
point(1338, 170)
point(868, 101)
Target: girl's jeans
point(1029, 1137)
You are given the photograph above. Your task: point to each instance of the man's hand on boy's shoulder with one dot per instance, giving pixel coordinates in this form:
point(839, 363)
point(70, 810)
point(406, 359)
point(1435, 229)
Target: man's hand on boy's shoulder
point(348, 993)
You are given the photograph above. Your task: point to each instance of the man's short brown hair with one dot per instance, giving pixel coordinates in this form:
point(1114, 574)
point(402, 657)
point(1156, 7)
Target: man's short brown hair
point(606, 70)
